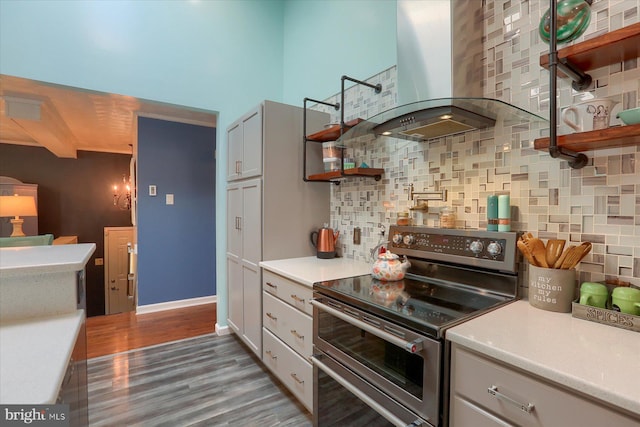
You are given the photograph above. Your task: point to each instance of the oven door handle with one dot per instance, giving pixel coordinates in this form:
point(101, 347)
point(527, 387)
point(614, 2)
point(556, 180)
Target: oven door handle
point(410, 346)
point(363, 396)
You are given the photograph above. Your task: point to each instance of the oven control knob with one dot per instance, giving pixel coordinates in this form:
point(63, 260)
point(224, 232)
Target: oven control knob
point(494, 249)
point(476, 246)
point(409, 239)
point(397, 238)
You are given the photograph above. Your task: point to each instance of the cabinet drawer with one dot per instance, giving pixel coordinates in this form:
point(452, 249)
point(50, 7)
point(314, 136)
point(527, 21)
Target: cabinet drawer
point(289, 291)
point(290, 325)
point(473, 375)
point(295, 372)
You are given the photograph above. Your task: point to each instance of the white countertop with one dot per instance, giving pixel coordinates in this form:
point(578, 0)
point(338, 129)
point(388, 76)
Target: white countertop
point(599, 360)
point(44, 259)
point(309, 270)
point(34, 355)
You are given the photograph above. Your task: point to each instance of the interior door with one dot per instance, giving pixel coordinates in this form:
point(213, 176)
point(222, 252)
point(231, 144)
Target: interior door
point(120, 286)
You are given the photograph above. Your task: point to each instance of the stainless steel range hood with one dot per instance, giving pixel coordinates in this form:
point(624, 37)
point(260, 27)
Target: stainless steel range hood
point(440, 69)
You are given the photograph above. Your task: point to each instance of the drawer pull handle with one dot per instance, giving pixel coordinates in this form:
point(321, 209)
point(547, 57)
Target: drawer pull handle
point(272, 317)
point(295, 377)
point(271, 355)
point(271, 285)
point(297, 298)
point(527, 408)
point(297, 335)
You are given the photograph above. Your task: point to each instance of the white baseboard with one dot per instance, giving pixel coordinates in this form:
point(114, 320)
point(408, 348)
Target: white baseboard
point(170, 305)
point(222, 330)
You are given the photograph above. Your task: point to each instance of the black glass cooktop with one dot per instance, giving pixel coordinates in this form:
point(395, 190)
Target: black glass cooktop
point(424, 304)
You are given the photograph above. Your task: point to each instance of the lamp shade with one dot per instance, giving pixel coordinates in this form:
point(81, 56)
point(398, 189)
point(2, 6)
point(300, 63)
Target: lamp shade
point(17, 206)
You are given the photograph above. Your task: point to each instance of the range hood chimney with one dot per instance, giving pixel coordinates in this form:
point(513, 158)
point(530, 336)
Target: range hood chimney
point(440, 74)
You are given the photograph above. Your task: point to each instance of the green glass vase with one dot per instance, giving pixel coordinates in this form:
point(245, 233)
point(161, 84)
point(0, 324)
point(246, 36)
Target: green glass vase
point(573, 19)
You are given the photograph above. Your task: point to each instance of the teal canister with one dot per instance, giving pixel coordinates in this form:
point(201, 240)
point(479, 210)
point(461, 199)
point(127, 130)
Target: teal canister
point(492, 213)
point(504, 212)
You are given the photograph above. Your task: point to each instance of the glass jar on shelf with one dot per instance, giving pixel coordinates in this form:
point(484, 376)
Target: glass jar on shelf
point(447, 217)
point(402, 218)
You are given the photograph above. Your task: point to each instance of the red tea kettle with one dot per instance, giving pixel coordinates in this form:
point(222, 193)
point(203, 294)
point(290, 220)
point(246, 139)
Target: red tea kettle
point(325, 242)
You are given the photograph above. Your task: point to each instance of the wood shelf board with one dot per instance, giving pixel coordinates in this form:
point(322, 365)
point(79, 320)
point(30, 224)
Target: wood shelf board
point(332, 133)
point(370, 172)
point(616, 46)
point(613, 137)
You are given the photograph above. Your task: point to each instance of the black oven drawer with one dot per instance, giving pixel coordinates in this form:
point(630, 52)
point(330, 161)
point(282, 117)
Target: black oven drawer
point(342, 398)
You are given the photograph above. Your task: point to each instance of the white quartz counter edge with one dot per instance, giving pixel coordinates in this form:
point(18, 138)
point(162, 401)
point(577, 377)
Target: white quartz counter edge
point(44, 259)
point(34, 354)
point(598, 360)
point(308, 270)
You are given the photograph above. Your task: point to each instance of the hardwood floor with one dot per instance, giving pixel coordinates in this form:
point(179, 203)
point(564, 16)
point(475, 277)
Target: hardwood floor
point(116, 333)
point(170, 369)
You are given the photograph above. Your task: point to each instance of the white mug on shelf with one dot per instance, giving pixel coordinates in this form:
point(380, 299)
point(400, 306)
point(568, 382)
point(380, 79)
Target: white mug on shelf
point(591, 115)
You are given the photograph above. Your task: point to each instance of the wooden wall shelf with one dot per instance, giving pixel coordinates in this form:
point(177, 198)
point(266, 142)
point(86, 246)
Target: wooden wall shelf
point(332, 133)
point(616, 46)
point(365, 172)
point(613, 137)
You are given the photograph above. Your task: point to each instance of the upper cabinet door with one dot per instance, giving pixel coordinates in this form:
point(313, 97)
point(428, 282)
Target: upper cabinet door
point(234, 151)
point(244, 142)
point(252, 147)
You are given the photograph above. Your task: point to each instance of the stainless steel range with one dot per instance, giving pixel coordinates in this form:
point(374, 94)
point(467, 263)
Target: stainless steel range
point(380, 352)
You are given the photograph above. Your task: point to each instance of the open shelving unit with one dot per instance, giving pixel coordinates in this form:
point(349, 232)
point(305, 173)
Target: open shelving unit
point(573, 62)
point(334, 133)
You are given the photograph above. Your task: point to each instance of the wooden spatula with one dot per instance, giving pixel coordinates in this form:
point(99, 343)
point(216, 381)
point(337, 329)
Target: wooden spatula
point(563, 257)
point(536, 246)
point(554, 250)
point(576, 256)
point(526, 253)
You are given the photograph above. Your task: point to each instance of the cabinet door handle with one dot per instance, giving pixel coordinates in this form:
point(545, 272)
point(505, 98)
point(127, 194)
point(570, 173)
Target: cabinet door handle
point(238, 167)
point(297, 298)
point(271, 285)
point(295, 377)
point(297, 335)
point(271, 316)
point(524, 407)
point(271, 355)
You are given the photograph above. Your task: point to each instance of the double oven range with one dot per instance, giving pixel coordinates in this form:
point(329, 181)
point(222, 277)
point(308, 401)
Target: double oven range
point(380, 355)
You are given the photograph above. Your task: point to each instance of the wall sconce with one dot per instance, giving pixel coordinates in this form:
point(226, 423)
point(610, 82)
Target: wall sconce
point(122, 196)
point(17, 206)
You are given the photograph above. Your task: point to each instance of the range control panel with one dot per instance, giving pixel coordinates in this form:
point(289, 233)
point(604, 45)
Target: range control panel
point(471, 247)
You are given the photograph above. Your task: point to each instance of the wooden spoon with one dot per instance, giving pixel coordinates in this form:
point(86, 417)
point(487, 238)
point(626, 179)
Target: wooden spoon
point(564, 255)
point(576, 256)
point(526, 253)
point(554, 250)
point(536, 246)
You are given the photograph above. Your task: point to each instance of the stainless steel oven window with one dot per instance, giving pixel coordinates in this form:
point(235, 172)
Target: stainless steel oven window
point(357, 340)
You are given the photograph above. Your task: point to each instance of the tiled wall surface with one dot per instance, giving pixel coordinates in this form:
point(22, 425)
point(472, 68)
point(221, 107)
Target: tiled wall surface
point(599, 203)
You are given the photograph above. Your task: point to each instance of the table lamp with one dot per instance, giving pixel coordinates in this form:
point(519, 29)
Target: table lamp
point(17, 206)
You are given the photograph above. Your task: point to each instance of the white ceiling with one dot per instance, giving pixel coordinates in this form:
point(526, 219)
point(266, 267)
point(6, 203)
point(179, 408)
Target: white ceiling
point(64, 119)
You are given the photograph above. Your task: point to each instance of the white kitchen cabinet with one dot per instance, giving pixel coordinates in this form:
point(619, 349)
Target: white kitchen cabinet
point(485, 392)
point(244, 138)
point(287, 334)
point(271, 211)
point(243, 256)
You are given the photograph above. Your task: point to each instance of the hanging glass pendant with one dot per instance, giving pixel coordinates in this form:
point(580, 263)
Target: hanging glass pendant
point(573, 19)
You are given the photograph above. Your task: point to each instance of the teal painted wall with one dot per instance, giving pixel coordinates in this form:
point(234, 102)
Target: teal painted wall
point(221, 56)
point(326, 39)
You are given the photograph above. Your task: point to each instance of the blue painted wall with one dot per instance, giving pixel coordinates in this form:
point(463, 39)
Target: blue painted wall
point(221, 56)
point(176, 243)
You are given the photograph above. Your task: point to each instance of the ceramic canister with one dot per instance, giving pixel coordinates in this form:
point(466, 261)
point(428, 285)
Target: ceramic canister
point(552, 289)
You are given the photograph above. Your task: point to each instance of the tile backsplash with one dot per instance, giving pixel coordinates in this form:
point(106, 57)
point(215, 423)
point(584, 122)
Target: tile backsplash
point(599, 203)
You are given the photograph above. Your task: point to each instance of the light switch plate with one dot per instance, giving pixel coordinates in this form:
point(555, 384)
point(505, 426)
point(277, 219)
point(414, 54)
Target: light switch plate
point(152, 190)
point(169, 199)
